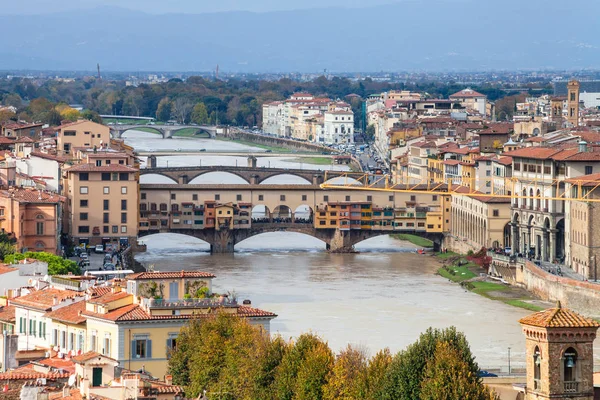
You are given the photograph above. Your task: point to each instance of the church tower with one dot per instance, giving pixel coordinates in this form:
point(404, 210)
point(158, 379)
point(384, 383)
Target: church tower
point(560, 355)
point(573, 102)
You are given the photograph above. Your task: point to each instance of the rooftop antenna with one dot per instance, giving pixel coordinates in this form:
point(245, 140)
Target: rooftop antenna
point(99, 76)
point(217, 73)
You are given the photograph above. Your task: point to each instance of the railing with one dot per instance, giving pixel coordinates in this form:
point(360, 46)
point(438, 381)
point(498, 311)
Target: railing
point(189, 303)
point(571, 387)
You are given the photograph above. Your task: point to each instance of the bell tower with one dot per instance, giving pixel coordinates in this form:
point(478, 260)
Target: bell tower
point(573, 102)
point(560, 355)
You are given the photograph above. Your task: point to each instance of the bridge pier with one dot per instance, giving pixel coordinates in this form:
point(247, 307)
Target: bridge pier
point(223, 242)
point(341, 242)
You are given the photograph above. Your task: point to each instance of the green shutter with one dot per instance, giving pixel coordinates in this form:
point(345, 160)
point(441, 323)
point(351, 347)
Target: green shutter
point(133, 349)
point(148, 348)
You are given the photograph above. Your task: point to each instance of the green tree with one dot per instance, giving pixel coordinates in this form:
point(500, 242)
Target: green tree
point(56, 265)
point(313, 372)
point(91, 116)
point(199, 114)
point(370, 132)
point(286, 378)
point(69, 114)
point(371, 381)
point(344, 380)
point(448, 376)
point(405, 374)
point(164, 110)
point(224, 355)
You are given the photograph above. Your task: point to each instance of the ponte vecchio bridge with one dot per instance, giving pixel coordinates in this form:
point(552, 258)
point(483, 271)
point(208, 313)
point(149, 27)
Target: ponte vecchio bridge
point(226, 214)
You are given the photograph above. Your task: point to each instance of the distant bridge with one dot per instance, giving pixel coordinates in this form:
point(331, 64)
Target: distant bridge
point(127, 117)
point(258, 153)
point(254, 176)
point(339, 217)
point(166, 131)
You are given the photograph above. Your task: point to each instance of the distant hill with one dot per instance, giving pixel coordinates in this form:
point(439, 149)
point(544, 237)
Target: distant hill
point(432, 35)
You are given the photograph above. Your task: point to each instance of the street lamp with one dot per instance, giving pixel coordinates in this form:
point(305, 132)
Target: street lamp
point(509, 360)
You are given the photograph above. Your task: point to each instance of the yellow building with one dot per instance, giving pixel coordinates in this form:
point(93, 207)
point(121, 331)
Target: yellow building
point(138, 325)
point(103, 203)
point(81, 134)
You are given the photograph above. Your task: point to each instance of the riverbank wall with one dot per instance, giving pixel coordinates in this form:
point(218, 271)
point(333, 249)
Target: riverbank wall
point(277, 142)
point(581, 296)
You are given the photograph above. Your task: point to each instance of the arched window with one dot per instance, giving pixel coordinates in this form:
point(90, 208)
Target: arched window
point(531, 199)
point(570, 366)
point(538, 200)
point(537, 369)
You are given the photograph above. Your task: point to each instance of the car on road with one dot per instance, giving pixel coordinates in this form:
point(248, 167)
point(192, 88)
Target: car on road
point(268, 151)
point(99, 249)
point(486, 374)
point(84, 264)
point(108, 267)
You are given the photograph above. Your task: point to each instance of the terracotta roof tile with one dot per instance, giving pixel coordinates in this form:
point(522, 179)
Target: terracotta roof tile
point(90, 355)
point(43, 299)
point(466, 93)
point(27, 195)
point(63, 364)
point(169, 275)
point(558, 318)
point(103, 168)
point(70, 314)
point(109, 298)
point(49, 156)
point(7, 314)
point(4, 269)
point(27, 372)
point(134, 312)
point(591, 180)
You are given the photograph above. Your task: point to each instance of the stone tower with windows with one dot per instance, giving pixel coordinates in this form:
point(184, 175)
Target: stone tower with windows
point(573, 103)
point(560, 355)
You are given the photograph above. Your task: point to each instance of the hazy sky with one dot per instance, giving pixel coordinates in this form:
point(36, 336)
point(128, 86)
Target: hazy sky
point(177, 6)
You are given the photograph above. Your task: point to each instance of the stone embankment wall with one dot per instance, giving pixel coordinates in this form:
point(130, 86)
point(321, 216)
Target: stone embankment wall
point(459, 246)
point(275, 141)
point(581, 296)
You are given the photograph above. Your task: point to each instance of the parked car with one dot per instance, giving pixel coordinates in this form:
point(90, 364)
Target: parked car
point(107, 258)
point(99, 248)
point(108, 267)
point(83, 256)
point(84, 264)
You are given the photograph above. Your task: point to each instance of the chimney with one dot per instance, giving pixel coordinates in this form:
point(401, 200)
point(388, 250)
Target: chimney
point(169, 379)
point(54, 300)
point(582, 146)
point(66, 391)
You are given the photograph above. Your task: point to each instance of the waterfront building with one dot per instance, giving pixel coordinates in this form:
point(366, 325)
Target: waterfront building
point(539, 225)
point(310, 118)
point(103, 201)
point(560, 355)
point(81, 134)
point(583, 244)
point(478, 221)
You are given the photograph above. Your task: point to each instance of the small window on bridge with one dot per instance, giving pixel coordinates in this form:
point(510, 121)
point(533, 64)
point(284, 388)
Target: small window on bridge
point(369, 198)
point(391, 198)
point(173, 196)
point(195, 197)
point(217, 197)
point(282, 197)
point(304, 197)
point(347, 198)
point(325, 198)
point(238, 197)
point(143, 195)
point(261, 197)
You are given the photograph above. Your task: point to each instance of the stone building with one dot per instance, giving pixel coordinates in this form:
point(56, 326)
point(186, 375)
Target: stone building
point(560, 355)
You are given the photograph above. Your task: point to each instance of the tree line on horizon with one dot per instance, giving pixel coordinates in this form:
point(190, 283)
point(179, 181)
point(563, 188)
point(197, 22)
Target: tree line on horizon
point(200, 100)
point(229, 359)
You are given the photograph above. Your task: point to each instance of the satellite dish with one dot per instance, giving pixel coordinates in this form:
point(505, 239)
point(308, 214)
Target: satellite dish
point(46, 277)
point(71, 381)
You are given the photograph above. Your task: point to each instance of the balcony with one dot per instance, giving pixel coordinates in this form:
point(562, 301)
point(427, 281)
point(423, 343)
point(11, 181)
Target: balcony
point(189, 303)
point(571, 387)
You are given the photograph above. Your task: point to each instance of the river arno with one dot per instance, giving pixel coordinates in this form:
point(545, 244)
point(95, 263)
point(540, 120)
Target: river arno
point(383, 297)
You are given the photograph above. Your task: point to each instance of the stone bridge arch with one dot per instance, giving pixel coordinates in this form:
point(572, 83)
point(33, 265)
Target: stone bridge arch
point(308, 180)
